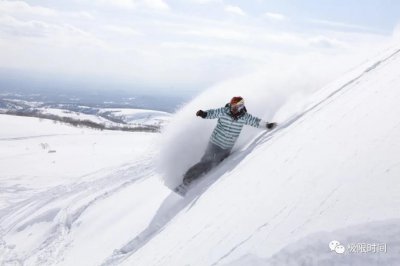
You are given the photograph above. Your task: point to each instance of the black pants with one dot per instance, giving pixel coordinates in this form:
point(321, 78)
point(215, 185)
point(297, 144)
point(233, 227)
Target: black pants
point(211, 158)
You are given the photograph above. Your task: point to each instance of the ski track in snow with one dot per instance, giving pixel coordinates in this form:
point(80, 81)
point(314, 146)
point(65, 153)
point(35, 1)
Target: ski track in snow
point(170, 207)
point(79, 196)
point(261, 227)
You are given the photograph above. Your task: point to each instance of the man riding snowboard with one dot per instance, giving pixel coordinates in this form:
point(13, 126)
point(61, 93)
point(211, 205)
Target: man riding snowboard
point(231, 119)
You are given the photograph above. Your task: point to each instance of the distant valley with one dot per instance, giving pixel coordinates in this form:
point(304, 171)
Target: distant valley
point(89, 110)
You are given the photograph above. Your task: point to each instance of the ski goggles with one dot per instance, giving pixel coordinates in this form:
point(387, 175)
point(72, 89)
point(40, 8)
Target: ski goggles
point(237, 107)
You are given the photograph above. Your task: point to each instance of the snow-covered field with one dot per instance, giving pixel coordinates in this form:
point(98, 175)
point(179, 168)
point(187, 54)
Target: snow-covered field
point(330, 171)
point(129, 116)
point(51, 174)
point(75, 115)
point(139, 116)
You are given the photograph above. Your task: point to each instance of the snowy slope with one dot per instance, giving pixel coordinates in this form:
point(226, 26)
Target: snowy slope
point(335, 165)
point(330, 170)
point(75, 115)
point(373, 243)
point(53, 174)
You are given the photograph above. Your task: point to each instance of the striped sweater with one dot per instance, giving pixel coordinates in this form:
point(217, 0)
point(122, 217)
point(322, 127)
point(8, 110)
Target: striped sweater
point(228, 129)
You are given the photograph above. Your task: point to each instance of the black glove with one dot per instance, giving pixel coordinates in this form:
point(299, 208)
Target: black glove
point(271, 125)
point(201, 113)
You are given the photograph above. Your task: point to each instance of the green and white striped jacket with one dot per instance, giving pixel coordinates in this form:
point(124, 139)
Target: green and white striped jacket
point(228, 129)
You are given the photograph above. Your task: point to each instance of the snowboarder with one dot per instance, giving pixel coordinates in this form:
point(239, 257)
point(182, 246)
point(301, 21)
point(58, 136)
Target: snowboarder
point(231, 119)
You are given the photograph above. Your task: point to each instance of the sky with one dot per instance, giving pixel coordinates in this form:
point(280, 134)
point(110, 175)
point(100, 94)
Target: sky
point(187, 45)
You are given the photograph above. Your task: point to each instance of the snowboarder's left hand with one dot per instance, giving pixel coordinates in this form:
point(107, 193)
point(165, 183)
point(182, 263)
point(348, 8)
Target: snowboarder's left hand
point(271, 125)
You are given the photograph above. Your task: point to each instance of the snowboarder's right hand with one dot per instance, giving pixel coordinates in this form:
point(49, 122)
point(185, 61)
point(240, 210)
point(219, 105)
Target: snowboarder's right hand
point(201, 113)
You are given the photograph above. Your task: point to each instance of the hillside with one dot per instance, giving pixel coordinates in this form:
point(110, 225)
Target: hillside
point(334, 165)
point(53, 173)
point(328, 171)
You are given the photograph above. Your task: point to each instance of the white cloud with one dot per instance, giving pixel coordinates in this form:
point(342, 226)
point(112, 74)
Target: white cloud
point(125, 4)
point(24, 10)
point(11, 27)
point(80, 15)
point(204, 1)
point(133, 4)
point(216, 32)
point(235, 10)
point(337, 24)
point(20, 7)
point(325, 42)
point(123, 30)
point(275, 16)
point(156, 4)
point(47, 34)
